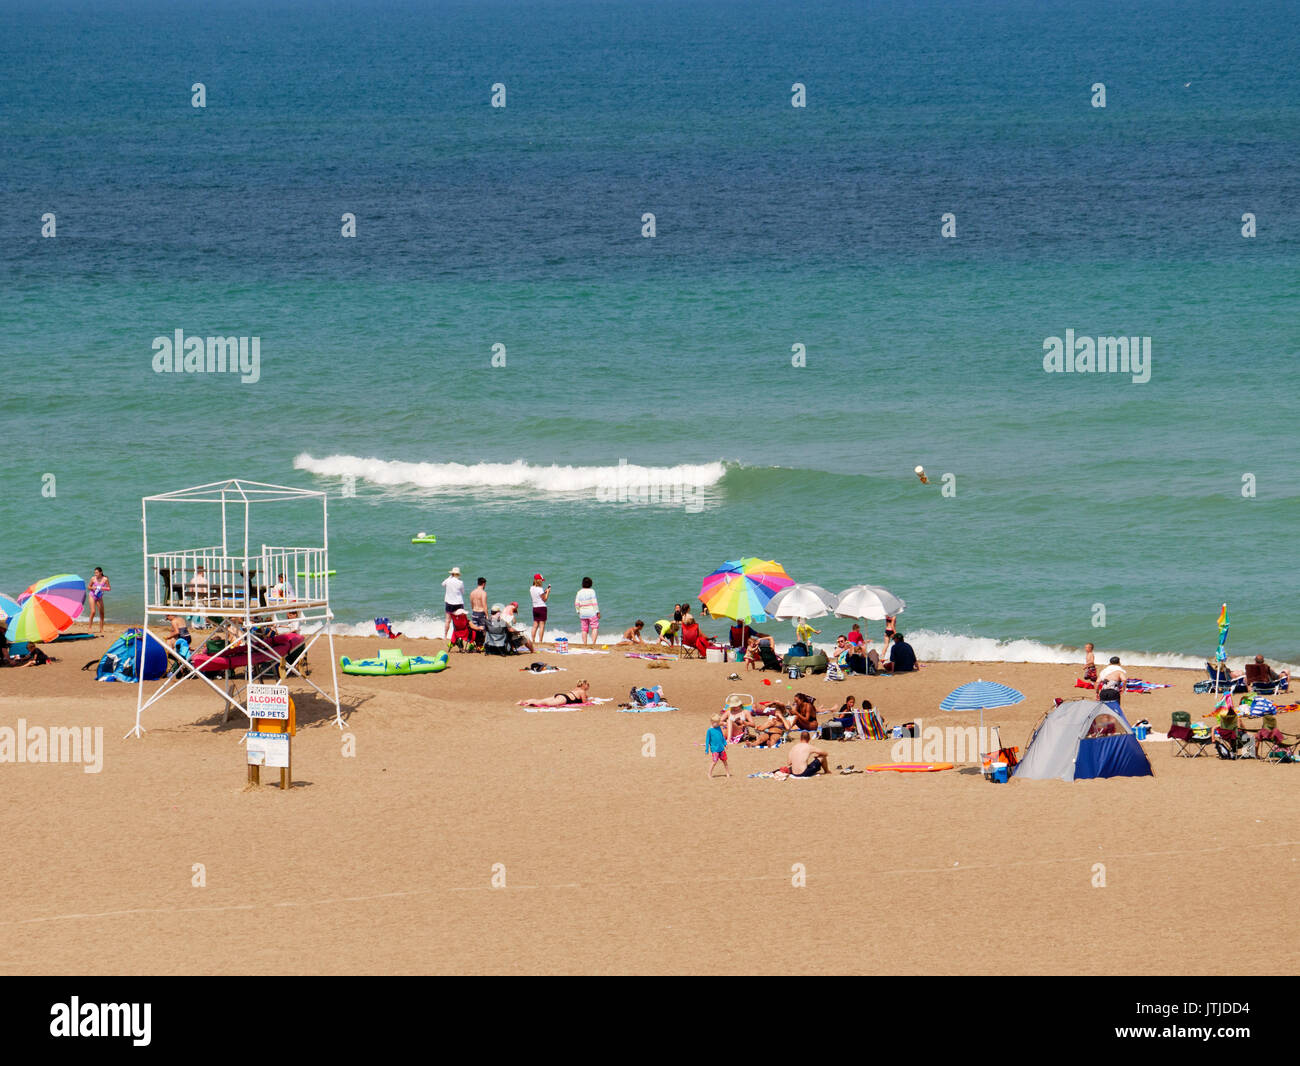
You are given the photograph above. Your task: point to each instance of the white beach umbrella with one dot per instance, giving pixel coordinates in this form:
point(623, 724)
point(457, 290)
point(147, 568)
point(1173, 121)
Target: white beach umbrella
point(868, 601)
point(801, 601)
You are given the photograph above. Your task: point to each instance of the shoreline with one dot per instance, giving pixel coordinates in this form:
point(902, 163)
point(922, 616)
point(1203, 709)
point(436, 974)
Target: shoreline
point(930, 646)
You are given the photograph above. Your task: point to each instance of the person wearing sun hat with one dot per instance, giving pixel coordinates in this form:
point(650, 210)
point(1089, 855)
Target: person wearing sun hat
point(453, 598)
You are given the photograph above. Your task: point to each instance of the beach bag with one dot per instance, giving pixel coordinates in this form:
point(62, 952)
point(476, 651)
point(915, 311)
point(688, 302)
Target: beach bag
point(834, 672)
point(643, 697)
point(215, 645)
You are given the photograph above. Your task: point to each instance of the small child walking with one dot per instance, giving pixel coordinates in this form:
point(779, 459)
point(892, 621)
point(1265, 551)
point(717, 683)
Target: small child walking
point(716, 743)
point(753, 660)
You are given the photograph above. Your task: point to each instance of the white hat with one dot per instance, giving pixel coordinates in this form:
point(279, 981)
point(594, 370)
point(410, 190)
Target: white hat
point(497, 608)
point(455, 571)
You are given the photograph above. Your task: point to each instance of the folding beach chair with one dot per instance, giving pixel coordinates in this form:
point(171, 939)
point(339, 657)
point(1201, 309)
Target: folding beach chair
point(1219, 679)
point(1272, 745)
point(1259, 679)
point(769, 658)
point(1189, 742)
point(1228, 736)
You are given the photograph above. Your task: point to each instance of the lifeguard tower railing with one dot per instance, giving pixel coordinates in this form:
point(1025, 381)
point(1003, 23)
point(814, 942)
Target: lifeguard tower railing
point(207, 581)
point(272, 603)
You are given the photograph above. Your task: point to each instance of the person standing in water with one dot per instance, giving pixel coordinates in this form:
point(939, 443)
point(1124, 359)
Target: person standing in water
point(98, 586)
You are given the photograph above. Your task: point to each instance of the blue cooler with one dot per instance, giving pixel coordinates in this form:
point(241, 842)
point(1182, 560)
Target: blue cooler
point(999, 774)
point(1140, 730)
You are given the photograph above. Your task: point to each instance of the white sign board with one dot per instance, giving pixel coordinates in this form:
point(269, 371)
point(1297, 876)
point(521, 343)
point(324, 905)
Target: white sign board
point(268, 749)
point(268, 701)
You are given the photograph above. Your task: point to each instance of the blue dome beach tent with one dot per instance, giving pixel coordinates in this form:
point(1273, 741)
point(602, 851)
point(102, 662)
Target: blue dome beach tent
point(1084, 739)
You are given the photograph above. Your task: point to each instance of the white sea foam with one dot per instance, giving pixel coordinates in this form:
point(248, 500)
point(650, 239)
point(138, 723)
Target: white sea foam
point(519, 476)
point(930, 646)
point(959, 647)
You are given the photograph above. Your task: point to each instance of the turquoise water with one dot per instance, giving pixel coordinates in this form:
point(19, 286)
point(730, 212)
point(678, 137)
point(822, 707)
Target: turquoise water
point(776, 226)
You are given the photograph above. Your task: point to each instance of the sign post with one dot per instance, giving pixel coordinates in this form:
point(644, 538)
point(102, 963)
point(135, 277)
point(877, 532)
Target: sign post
point(274, 724)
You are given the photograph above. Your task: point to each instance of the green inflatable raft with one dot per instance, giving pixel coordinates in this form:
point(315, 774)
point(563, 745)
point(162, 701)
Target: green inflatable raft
point(392, 661)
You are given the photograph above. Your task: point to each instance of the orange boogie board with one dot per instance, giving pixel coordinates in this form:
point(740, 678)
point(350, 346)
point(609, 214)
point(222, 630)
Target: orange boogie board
point(910, 767)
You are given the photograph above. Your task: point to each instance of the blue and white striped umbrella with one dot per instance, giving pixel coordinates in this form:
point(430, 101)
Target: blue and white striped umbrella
point(981, 696)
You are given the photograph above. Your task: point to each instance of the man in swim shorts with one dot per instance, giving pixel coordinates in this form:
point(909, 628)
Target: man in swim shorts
point(807, 761)
point(478, 606)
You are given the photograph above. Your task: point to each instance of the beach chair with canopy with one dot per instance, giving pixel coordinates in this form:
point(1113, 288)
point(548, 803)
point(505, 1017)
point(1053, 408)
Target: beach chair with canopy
point(1187, 742)
point(1272, 745)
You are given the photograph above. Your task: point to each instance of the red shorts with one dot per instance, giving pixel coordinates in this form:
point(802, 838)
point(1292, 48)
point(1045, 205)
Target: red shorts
point(719, 756)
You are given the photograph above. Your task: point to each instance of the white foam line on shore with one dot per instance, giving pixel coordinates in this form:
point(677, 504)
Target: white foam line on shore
point(930, 646)
point(621, 886)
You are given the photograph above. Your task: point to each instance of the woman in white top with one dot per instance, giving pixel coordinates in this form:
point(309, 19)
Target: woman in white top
point(453, 599)
point(588, 610)
point(539, 596)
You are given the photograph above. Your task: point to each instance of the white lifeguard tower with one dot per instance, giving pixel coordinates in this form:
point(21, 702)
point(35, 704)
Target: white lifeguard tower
point(273, 601)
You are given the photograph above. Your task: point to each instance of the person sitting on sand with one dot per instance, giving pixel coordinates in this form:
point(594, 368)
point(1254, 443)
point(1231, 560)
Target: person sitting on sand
point(737, 719)
point(580, 693)
point(770, 735)
point(848, 713)
point(902, 659)
point(805, 712)
point(632, 635)
point(498, 621)
point(807, 761)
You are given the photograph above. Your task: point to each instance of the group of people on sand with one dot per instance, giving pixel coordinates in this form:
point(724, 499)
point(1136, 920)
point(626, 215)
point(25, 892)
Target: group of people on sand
point(33, 657)
point(480, 616)
point(739, 724)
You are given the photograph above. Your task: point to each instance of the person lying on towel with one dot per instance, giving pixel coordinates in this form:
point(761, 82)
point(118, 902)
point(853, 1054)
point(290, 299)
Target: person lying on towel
point(580, 693)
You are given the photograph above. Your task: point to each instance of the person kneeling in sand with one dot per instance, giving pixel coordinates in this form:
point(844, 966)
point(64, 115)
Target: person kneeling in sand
point(807, 761)
point(632, 635)
point(580, 693)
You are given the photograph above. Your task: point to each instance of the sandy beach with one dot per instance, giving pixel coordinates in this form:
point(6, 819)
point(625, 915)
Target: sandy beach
point(613, 860)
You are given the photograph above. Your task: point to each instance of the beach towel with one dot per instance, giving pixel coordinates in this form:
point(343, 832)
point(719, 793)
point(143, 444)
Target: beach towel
point(655, 656)
point(646, 709)
point(544, 670)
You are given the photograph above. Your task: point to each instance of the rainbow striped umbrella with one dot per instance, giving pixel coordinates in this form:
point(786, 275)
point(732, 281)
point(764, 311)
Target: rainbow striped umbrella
point(9, 607)
point(48, 608)
point(741, 589)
